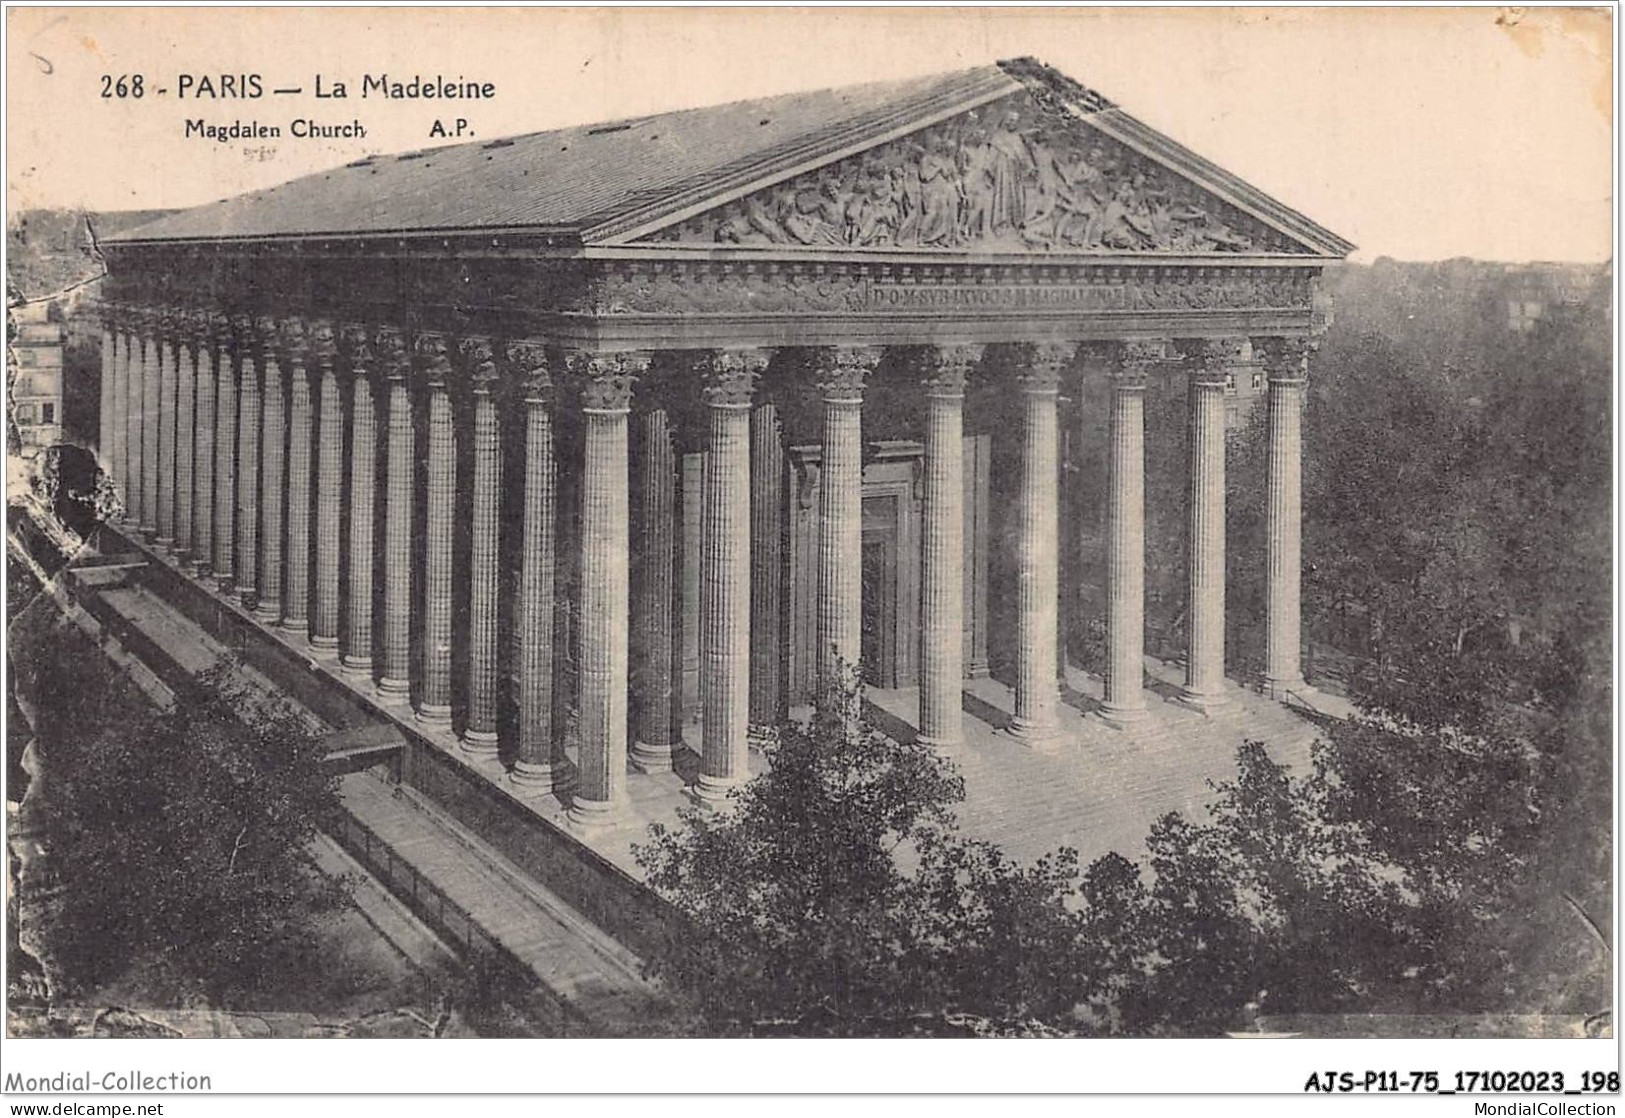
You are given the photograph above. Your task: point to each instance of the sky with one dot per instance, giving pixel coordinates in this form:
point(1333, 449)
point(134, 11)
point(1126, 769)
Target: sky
point(1419, 134)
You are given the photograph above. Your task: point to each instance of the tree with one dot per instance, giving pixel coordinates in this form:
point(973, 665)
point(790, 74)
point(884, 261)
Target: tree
point(833, 896)
point(176, 842)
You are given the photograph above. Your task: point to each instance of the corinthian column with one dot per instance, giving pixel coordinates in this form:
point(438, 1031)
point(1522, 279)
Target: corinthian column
point(296, 568)
point(1037, 693)
point(538, 766)
point(186, 343)
point(250, 416)
point(164, 411)
point(725, 576)
point(653, 680)
point(206, 425)
point(840, 508)
point(440, 500)
point(1210, 361)
point(395, 673)
point(134, 396)
point(1286, 361)
point(480, 734)
point(942, 597)
point(1125, 538)
point(356, 657)
point(225, 449)
point(605, 539)
point(273, 476)
point(324, 617)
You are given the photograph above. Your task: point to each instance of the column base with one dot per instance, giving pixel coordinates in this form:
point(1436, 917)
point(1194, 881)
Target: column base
point(326, 643)
point(433, 714)
point(224, 584)
point(941, 745)
point(191, 566)
point(1040, 737)
point(714, 792)
point(530, 778)
point(297, 625)
point(355, 665)
point(649, 758)
point(1279, 689)
point(593, 815)
point(481, 743)
point(393, 690)
point(267, 612)
point(165, 542)
point(1123, 718)
point(1204, 701)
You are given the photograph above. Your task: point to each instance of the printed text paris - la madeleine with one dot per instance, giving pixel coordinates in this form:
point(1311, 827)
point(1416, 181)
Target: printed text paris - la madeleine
point(407, 87)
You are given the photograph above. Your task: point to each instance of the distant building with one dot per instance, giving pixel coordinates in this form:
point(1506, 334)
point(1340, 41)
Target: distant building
point(34, 373)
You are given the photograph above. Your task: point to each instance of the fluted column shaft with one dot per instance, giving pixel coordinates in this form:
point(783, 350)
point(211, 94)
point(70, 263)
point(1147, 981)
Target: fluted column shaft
point(653, 684)
point(1125, 539)
point(134, 397)
point(118, 455)
point(840, 508)
point(1038, 528)
point(396, 644)
point(169, 355)
point(273, 481)
point(766, 563)
point(296, 567)
point(146, 424)
point(942, 569)
point(605, 539)
point(725, 547)
point(185, 387)
point(104, 432)
point(440, 500)
point(225, 464)
point(480, 734)
point(250, 414)
point(206, 424)
point(1204, 663)
point(536, 766)
point(357, 649)
point(1286, 360)
point(151, 374)
point(324, 615)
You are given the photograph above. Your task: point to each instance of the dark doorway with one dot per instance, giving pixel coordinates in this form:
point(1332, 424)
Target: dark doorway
point(880, 557)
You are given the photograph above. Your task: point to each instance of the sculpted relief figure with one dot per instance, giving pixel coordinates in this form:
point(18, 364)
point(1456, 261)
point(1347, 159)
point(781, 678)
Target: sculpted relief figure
point(1027, 182)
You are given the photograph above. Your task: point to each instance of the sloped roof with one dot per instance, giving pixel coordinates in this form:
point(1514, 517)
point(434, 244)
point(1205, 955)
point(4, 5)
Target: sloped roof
point(597, 179)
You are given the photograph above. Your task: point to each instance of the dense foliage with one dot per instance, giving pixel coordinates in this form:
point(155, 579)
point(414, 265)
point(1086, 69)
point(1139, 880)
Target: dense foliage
point(176, 842)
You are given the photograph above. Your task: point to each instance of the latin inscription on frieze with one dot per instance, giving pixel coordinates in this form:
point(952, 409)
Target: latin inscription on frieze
point(950, 297)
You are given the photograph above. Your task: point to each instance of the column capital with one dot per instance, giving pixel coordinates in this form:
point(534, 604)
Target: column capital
point(195, 330)
point(265, 332)
point(477, 352)
point(842, 370)
point(432, 358)
point(608, 379)
point(1209, 360)
point(1130, 362)
point(323, 345)
point(1039, 366)
point(220, 329)
point(729, 376)
point(1286, 359)
point(947, 368)
point(112, 315)
point(528, 359)
point(292, 341)
point(357, 343)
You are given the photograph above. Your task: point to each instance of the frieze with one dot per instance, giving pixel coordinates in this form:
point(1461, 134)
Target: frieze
point(665, 289)
point(1008, 176)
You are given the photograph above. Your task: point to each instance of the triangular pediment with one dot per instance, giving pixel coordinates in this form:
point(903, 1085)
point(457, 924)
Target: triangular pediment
point(1029, 172)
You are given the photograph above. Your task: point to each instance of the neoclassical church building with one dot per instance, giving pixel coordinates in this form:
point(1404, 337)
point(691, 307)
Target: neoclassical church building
point(596, 445)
